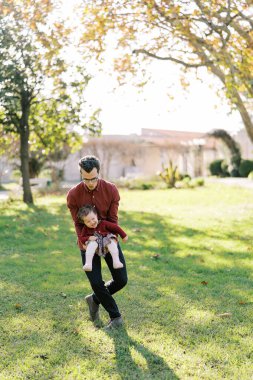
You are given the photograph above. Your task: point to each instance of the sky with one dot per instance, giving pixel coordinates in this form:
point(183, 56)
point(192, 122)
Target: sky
point(163, 103)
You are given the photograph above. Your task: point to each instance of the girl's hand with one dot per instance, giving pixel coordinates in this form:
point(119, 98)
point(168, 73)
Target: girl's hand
point(92, 238)
point(125, 239)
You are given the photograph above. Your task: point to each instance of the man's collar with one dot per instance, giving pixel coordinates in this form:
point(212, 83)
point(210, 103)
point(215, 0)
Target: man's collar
point(97, 188)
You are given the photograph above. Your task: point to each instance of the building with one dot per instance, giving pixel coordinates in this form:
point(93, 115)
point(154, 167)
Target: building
point(146, 154)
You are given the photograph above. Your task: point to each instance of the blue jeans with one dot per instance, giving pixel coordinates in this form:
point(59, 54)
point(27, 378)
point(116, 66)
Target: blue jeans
point(103, 291)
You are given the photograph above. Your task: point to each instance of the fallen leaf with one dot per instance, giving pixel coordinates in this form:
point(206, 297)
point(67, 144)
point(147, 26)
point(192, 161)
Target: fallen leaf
point(242, 303)
point(155, 256)
point(224, 315)
point(18, 306)
point(63, 295)
point(204, 282)
point(42, 356)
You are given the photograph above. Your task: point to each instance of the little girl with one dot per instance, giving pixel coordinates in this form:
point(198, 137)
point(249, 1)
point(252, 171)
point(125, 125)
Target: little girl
point(99, 235)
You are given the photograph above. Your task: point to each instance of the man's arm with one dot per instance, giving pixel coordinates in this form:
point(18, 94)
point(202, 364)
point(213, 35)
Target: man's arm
point(74, 210)
point(112, 215)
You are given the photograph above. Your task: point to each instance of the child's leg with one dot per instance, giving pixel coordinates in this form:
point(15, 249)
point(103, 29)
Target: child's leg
point(113, 249)
point(89, 254)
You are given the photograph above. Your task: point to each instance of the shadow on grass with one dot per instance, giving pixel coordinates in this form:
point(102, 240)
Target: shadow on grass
point(135, 361)
point(45, 247)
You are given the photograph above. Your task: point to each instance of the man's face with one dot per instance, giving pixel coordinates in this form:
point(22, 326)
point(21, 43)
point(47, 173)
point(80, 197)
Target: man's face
point(90, 179)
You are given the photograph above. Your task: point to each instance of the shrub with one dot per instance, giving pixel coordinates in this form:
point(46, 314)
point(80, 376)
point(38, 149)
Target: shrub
point(215, 167)
point(182, 176)
point(170, 174)
point(139, 183)
point(183, 184)
point(224, 168)
point(198, 182)
point(219, 168)
point(234, 173)
point(188, 183)
point(250, 176)
point(246, 166)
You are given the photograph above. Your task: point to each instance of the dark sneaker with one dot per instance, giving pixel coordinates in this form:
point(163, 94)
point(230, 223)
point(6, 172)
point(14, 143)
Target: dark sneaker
point(93, 308)
point(114, 323)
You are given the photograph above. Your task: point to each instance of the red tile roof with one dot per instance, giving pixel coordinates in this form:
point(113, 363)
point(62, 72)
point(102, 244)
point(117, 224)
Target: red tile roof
point(177, 138)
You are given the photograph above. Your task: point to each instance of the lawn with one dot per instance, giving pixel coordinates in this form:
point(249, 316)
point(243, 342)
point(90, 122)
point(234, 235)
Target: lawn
point(188, 305)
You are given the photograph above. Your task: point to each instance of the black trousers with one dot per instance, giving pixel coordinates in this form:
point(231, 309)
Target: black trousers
point(103, 291)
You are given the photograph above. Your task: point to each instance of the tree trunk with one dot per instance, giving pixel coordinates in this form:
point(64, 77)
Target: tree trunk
point(24, 154)
point(245, 116)
point(238, 102)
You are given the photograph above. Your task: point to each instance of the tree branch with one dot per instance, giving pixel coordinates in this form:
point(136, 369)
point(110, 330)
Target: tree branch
point(172, 59)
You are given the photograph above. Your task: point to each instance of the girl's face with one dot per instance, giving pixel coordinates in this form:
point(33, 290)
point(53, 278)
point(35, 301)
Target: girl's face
point(91, 220)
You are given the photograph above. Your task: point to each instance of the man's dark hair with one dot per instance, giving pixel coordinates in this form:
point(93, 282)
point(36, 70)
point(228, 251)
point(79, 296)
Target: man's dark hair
point(86, 210)
point(88, 163)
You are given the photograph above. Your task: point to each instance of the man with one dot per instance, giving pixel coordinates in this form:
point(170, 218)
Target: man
point(105, 197)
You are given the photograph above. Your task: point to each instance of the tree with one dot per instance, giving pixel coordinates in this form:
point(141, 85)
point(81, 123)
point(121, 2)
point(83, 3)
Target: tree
point(216, 35)
point(39, 100)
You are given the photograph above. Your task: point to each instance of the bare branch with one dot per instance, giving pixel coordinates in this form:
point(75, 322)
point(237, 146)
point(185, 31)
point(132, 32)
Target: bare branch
point(172, 59)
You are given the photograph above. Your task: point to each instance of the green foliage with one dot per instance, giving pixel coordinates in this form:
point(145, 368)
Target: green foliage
point(139, 183)
point(9, 146)
point(35, 167)
point(235, 153)
point(224, 168)
point(198, 181)
point(141, 186)
point(42, 90)
point(234, 173)
point(184, 176)
point(221, 168)
point(215, 167)
point(170, 174)
point(15, 175)
point(188, 183)
point(246, 166)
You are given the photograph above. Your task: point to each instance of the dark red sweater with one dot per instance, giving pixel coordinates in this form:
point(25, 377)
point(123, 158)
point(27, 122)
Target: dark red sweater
point(103, 228)
point(105, 197)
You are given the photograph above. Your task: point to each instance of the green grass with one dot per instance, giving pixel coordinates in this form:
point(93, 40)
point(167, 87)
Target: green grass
point(172, 302)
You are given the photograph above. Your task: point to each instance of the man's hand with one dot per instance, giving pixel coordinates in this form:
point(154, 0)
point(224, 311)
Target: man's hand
point(125, 239)
point(92, 238)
